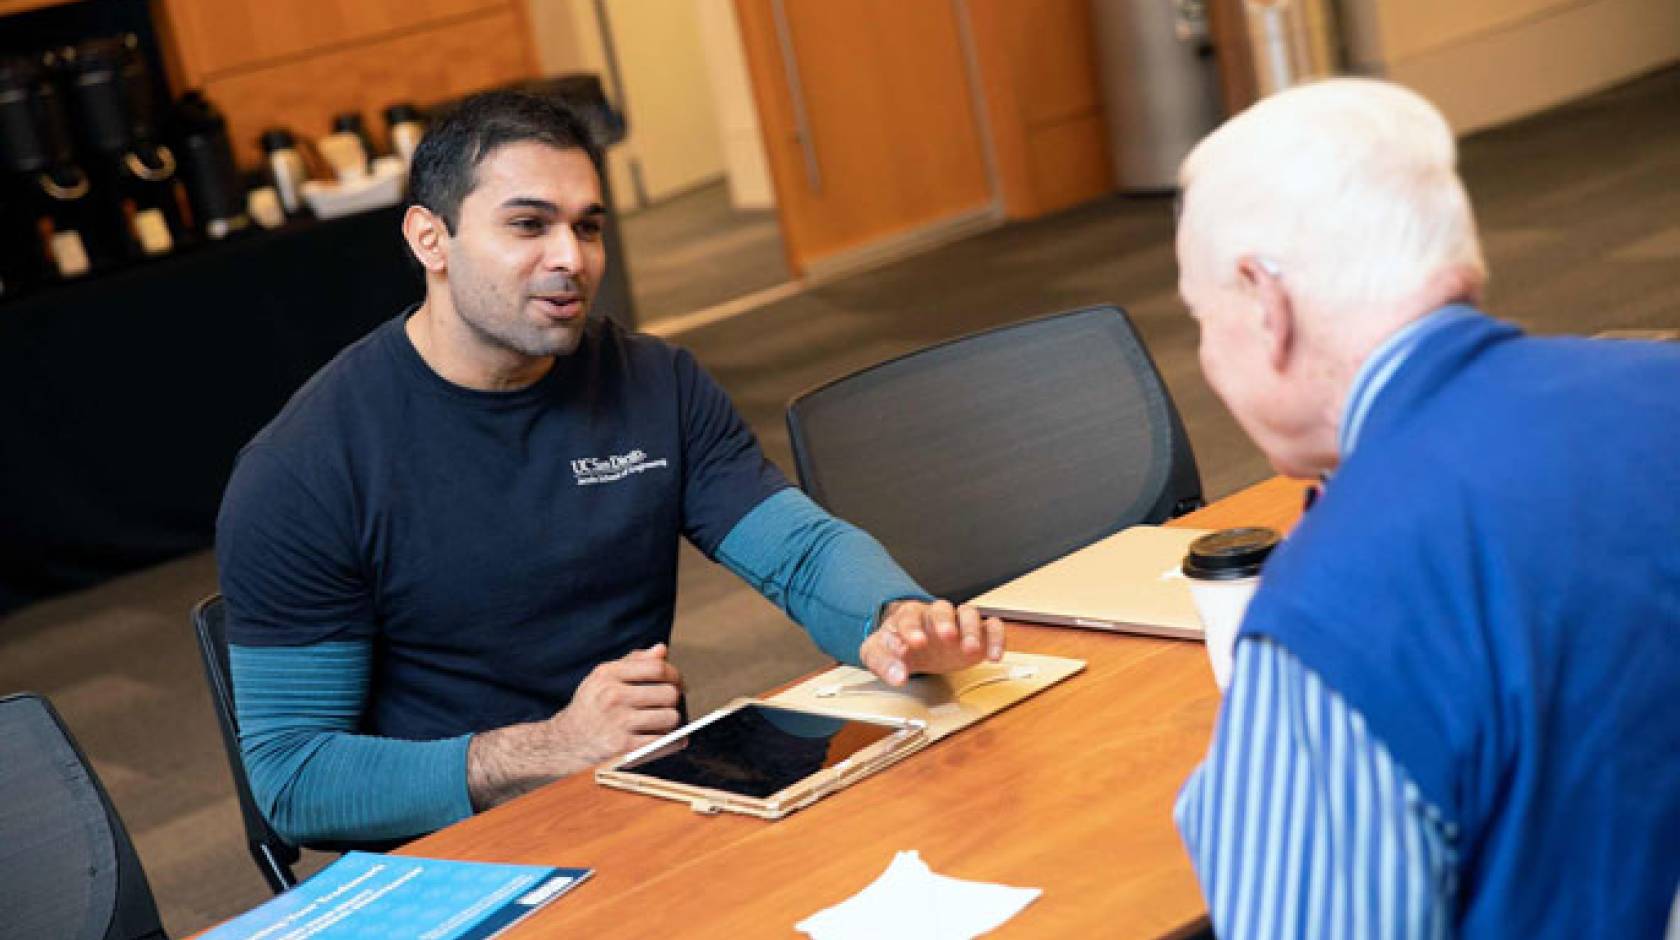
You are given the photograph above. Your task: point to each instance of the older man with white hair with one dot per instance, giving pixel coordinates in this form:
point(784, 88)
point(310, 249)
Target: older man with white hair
point(1455, 707)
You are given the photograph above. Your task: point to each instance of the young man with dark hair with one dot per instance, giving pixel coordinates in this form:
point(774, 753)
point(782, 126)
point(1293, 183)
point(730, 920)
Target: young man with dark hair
point(450, 562)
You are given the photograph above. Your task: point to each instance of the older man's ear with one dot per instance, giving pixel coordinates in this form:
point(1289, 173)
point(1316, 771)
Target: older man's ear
point(1459, 283)
point(1264, 281)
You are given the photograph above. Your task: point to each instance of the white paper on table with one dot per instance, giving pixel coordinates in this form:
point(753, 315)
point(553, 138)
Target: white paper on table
point(910, 901)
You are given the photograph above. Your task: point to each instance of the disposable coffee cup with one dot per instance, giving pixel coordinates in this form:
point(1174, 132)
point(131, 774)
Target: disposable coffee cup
point(1224, 569)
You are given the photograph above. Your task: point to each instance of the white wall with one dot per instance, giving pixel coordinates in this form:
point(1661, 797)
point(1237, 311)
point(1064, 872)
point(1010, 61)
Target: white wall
point(743, 143)
point(674, 140)
point(1485, 62)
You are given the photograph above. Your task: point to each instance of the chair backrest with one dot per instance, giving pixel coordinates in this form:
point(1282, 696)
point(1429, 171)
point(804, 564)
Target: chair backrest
point(272, 853)
point(67, 867)
point(982, 458)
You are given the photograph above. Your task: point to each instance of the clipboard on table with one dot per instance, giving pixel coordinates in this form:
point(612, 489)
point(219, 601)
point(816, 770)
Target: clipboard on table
point(946, 703)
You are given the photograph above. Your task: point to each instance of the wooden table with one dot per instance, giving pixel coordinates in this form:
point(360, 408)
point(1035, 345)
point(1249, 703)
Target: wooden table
point(1070, 791)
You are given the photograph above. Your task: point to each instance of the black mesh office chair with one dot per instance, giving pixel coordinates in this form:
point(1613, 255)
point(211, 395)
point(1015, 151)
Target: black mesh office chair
point(273, 854)
point(67, 867)
point(982, 458)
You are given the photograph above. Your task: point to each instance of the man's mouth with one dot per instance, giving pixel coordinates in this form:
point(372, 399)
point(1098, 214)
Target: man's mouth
point(560, 306)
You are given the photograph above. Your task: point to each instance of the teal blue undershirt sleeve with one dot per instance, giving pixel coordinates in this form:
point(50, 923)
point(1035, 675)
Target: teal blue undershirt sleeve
point(313, 776)
point(828, 575)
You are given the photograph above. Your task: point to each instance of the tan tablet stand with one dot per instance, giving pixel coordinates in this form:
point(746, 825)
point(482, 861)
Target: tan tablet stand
point(926, 709)
point(947, 703)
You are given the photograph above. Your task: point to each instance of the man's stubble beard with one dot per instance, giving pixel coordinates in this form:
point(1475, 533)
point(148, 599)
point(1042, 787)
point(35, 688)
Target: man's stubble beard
point(512, 332)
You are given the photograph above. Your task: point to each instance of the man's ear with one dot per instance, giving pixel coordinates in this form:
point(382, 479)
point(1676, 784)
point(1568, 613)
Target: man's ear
point(427, 238)
point(1264, 282)
point(1455, 284)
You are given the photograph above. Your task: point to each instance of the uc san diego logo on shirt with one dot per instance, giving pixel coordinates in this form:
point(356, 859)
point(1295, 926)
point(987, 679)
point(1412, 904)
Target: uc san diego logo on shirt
point(592, 470)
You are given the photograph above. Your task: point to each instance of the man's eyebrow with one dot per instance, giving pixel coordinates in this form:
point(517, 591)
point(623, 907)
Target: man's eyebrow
point(543, 205)
point(529, 202)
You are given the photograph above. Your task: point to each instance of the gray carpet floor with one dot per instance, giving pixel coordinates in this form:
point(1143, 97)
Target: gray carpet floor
point(1580, 210)
point(694, 250)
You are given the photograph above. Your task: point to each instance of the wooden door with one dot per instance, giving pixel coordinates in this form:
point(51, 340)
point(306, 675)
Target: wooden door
point(1228, 29)
point(869, 123)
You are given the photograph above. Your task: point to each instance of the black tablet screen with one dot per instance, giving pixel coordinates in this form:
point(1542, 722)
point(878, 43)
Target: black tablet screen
point(758, 750)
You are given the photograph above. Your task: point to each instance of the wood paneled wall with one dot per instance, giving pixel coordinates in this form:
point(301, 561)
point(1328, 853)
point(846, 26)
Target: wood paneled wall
point(1038, 70)
point(296, 64)
point(24, 6)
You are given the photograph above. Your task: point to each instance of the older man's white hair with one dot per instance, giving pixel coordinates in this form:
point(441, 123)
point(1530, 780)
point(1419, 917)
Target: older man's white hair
point(1348, 185)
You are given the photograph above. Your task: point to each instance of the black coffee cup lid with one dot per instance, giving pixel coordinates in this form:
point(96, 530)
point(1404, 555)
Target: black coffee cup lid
point(1230, 554)
point(402, 113)
point(277, 138)
point(348, 121)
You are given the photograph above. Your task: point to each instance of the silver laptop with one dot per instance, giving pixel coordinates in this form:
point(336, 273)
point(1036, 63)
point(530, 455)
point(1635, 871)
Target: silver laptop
point(1129, 583)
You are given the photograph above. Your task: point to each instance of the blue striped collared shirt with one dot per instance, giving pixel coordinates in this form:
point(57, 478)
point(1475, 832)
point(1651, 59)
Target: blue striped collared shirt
point(1300, 823)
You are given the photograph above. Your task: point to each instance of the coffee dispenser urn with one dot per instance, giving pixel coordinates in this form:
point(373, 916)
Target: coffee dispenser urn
point(41, 177)
point(112, 102)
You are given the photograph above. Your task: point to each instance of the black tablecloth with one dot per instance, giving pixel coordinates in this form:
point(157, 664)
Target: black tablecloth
point(125, 398)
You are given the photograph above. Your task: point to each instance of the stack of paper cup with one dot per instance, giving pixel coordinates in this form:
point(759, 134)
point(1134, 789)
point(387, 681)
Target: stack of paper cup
point(1224, 569)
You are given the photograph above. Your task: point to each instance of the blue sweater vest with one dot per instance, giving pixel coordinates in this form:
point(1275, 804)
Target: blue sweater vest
point(1493, 581)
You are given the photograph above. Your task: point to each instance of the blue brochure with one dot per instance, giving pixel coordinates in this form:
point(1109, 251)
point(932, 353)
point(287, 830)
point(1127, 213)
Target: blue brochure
point(364, 895)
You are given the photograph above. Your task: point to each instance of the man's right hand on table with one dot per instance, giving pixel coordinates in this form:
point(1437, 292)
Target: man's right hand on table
point(618, 707)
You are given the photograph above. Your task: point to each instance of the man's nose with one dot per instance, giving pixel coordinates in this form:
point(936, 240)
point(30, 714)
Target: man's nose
point(564, 251)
